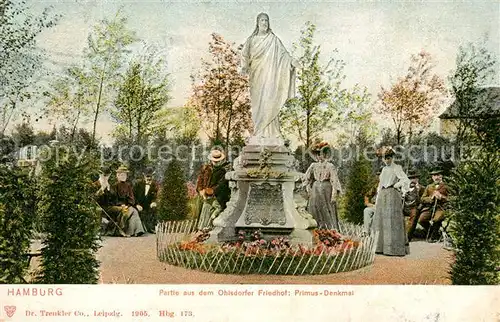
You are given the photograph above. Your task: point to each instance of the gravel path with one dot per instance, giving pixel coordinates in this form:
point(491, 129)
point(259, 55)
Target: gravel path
point(133, 260)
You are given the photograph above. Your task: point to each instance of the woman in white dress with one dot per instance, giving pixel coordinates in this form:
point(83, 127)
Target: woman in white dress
point(389, 219)
point(323, 186)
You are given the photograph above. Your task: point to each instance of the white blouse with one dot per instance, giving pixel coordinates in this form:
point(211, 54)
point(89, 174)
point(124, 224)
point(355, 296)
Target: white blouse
point(323, 171)
point(393, 175)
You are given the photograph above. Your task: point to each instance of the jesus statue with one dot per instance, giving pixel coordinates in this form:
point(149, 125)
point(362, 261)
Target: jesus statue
point(271, 71)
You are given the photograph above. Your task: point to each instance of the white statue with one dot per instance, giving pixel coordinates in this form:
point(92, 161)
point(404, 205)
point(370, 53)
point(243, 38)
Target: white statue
point(271, 71)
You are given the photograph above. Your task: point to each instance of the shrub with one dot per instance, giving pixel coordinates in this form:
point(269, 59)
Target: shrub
point(173, 195)
point(70, 221)
point(359, 181)
point(15, 225)
point(475, 212)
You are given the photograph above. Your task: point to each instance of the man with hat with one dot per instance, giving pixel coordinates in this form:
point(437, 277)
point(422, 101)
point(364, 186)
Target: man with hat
point(411, 203)
point(369, 211)
point(433, 201)
point(212, 175)
point(146, 193)
point(128, 220)
point(388, 218)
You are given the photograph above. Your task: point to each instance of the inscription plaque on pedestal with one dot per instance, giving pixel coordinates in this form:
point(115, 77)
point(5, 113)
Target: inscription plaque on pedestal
point(265, 205)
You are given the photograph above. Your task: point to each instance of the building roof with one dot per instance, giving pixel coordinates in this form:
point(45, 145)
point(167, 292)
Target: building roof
point(483, 110)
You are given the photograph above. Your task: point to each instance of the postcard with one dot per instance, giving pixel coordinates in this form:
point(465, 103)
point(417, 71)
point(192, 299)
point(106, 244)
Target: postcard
point(249, 160)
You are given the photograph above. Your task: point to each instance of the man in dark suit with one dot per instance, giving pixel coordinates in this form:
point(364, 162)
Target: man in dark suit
point(212, 175)
point(146, 192)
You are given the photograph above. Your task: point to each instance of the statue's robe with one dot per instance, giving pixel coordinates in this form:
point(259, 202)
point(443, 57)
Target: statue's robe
point(272, 81)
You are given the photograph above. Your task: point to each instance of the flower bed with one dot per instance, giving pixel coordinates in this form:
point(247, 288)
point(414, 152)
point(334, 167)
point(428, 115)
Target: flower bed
point(331, 253)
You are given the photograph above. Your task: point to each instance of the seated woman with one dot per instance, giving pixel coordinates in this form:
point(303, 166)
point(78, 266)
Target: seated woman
point(128, 219)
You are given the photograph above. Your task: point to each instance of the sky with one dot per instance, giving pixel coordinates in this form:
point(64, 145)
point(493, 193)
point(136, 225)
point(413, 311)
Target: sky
point(375, 38)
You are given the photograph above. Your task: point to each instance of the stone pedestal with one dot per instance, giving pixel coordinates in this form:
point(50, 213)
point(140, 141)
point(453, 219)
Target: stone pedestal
point(263, 185)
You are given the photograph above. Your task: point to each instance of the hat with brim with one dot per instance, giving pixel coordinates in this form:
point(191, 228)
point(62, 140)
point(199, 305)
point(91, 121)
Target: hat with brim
point(318, 147)
point(436, 171)
point(122, 169)
point(216, 155)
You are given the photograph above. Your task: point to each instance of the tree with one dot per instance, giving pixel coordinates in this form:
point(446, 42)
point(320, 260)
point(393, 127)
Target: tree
point(476, 68)
point(221, 94)
point(359, 181)
point(106, 47)
point(358, 178)
point(143, 92)
point(187, 125)
point(69, 99)
point(320, 96)
point(21, 61)
point(70, 222)
point(7, 149)
point(173, 195)
point(15, 225)
point(475, 199)
point(78, 138)
point(433, 151)
point(356, 116)
point(43, 138)
point(177, 128)
point(310, 113)
point(475, 209)
point(23, 134)
point(414, 99)
point(181, 124)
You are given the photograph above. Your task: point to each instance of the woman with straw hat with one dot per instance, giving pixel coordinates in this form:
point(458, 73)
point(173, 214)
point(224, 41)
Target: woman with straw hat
point(129, 219)
point(323, 185)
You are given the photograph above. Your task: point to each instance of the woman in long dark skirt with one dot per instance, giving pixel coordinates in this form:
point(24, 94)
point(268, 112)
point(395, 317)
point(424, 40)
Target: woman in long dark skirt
point(323, 185)
point(389, 219)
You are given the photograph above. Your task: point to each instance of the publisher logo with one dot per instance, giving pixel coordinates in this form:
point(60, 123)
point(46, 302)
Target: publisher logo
point(10, 310)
